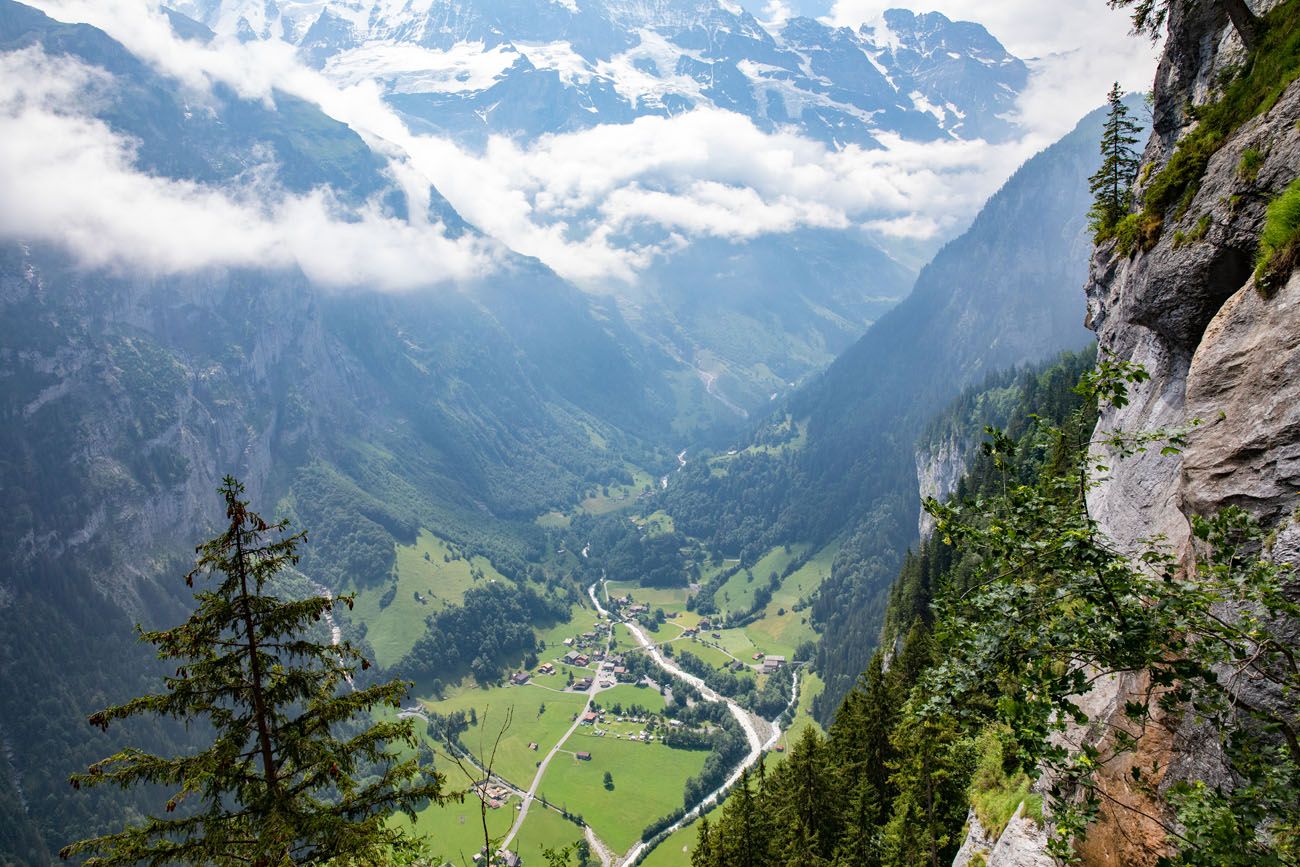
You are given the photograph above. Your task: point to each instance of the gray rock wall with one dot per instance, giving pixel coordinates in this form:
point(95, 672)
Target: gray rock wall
point(1219, 353)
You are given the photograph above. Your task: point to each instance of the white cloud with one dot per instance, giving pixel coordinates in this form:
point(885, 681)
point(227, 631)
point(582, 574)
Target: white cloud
point(68, 179)
point(578, 201)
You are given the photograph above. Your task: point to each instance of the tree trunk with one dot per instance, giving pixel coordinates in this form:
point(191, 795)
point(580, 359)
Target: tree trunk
point(1245, 22)
point(255, 666)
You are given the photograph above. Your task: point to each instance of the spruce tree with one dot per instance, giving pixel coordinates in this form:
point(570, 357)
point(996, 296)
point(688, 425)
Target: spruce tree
point(704, 856)
point(292, 774)
point(1112, 185)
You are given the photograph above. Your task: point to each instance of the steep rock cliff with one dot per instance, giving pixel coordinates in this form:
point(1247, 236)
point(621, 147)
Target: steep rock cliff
point(1223, 359)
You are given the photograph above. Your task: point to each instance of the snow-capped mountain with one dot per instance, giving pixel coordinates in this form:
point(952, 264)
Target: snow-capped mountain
point(750, 277)
point(528, 67)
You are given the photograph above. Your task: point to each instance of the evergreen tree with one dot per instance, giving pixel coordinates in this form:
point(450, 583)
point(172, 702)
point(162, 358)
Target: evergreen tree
point(290, 777)
point(704, 855)
point(806, 812)
point(931, 773)
point(859, 745)
point(1112, 185)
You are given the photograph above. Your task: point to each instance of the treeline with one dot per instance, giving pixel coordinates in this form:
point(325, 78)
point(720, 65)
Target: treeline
point(728, 745)
point(866, 574)
point(491, 629)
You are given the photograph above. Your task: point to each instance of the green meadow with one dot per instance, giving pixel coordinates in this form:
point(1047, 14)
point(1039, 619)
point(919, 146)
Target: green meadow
point(648, 783)
point(427, 568)
point(539, 716)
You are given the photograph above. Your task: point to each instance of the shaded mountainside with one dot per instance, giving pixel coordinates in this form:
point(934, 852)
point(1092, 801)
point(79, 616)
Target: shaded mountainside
point(366, 416)
point(1006, 292)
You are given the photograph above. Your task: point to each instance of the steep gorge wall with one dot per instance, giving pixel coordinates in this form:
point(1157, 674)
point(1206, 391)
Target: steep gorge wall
point(1217, 350)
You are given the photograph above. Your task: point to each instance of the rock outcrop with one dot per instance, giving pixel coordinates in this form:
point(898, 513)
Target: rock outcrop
point(1223, 361)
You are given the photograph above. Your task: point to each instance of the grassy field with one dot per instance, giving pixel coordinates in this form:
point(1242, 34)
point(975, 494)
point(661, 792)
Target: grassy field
point(648, 782)
point(656, 523)
point(675, 851)
point(421, 568)
point(668, 598)
point(515, 761)
point(738, 593)
point(544, 829)
point(810, 686)
point(781, 629)
point(454, 831)
point(612, 498)
point(711, 655)
point(553, 520)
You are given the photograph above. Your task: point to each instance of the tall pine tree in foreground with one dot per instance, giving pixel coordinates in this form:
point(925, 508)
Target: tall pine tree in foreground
point(1112, 185)
point(292, 775)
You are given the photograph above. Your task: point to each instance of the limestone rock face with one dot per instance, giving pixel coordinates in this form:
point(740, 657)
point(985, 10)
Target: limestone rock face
point(939, 467)
point(1022, 844)
point(1244, 383)
point(1225, 362)
point(977, 842)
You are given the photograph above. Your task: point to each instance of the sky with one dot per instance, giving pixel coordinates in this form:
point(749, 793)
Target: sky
point(598, 206)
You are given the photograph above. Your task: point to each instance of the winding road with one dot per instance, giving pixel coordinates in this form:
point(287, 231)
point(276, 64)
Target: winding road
point(541, 767)
point(757, 745)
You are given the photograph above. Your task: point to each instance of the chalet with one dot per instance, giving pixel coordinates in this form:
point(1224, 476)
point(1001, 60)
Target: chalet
point(756, 657)
point(568, 642)
point(590, 717)
point(582, 685)
point(620, 671)
point(572, 657)
point(690, 633)
point(583, 659)
point(780, 748)
point(639, 608)
point(546, 668)
point(583, 756)
point(706, 623)
point(519, 678)
point(773, 663)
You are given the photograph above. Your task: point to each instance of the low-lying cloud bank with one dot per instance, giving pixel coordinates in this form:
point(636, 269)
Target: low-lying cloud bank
point(597, 206)
point(70, 180)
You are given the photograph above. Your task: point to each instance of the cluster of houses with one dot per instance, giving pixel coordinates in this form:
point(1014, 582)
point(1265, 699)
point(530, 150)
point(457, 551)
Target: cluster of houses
point(591, 638)
point(493, 794)
point(573, 657)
